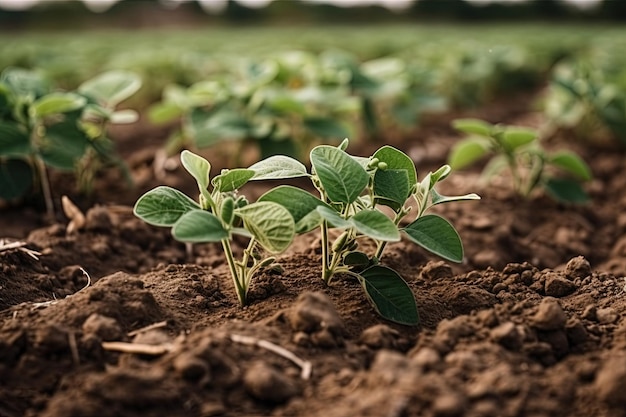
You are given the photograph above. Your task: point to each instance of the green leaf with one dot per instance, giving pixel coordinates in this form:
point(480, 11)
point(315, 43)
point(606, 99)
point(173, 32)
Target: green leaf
point(14, 140)
point(25, 82)
point(163, 206)
point(473, 126)
point(436, 235)
point(111, 88)
point(278, 167)
point(55, 103)
point(270, 223)
point(514, 137)
point(565, 190)
point(572, 163)
point(164, 112)
point(232, 179)
point(199, 168)
point(342, 178)
point(16, 178)
point(199, 226)
point(391, 187)
point(333, 218)
point(356, 258)
point(467, 151)
point(390, 295)
point(396, 159)
point(327, 128)
point(437, 198)
point(300, 204)
point(64, 144)
point(439, 175)
point(374, 224)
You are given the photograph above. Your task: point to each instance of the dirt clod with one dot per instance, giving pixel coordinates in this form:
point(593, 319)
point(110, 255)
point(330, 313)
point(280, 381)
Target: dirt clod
point(315, 314)
point(266, 383)
point(549, 316)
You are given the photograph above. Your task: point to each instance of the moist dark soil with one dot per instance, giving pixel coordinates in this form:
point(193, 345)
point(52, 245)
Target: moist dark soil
point(118, 319)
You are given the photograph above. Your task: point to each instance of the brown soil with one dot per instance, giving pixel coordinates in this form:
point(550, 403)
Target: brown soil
point(533, 323)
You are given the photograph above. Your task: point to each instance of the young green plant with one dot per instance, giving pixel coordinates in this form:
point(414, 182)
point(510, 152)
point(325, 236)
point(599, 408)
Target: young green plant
point(355, 195)
point(518, 149)
point(41, 128)
point(219, 214)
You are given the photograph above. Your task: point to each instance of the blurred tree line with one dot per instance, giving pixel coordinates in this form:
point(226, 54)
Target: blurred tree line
point(59, 14)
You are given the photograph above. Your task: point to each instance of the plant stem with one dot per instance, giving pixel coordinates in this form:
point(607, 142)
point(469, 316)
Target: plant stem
point(45, 187)
point(326, 272)
point(241, 290)
point(244, 264)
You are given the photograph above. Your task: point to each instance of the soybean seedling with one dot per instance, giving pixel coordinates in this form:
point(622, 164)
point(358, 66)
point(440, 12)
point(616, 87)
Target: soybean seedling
point(518, 149)
point(219, 214)
point(352, 192)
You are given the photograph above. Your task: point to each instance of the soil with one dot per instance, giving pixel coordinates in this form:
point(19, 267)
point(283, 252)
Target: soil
point(118, 319)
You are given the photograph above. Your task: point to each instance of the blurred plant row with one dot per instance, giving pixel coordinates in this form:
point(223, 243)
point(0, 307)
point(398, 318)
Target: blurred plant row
point(286, 99)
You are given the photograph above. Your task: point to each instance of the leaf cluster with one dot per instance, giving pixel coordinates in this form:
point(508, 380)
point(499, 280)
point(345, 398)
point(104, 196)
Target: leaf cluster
point(582, 99)
point(356, 196)
point(288, 102)
point(41, 127)
point(218, 214)
point(519, 151)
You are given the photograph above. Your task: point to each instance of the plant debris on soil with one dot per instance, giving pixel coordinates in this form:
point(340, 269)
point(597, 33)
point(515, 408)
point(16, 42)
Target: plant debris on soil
point(115, 318)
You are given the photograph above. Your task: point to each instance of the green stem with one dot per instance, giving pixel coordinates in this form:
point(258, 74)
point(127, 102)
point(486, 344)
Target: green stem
point(245, 274)
point(241, 290)
point(326, 272)
point(45, 187)
point(381, 245)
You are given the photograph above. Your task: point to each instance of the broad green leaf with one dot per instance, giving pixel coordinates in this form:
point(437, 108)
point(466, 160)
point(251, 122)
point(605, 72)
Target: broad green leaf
point(374, 224)
point(64, 144)
point(327, 128)
point(572, 163)
point(25, 82)
point(55, 103)
point(467, 151)
point(111, 88)
point(199, 226)
point(301, 204)
point(163, 206)
point(14, 140)
point(278, 167)
point(396, 159)
point(436, 235)
point(390, 295)
point(473, 126)
point(342, 178)
point(391, 187)
point(515, 137)
point(333, 218)
point(356, 258)
point(16, 178)
point(232, 179)
point(218, 125)
point(270, 223)
point(199, 168)
point(164, 112)
point(437, 198)
point(565, 190)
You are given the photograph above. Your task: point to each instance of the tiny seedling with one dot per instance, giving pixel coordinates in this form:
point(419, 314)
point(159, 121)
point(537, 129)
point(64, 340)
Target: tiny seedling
point(355, 193)
point(219, 214)
point(518, 149)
